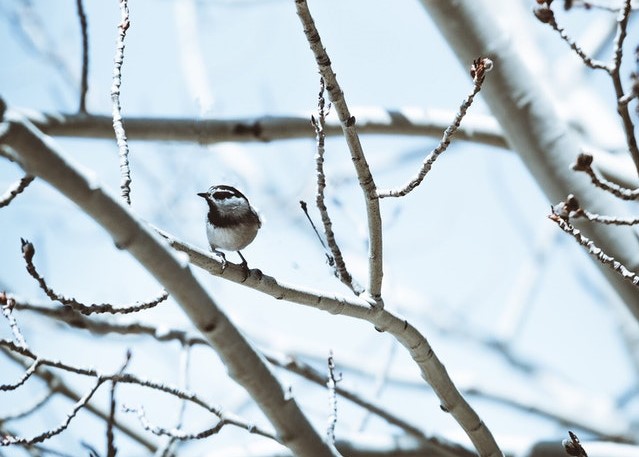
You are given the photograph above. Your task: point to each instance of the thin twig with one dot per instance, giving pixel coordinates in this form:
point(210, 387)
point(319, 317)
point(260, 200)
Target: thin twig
point(547, 16)
point(84, 83)
point(8, 303)
point(118, 126)
point(128, 378)
point(573, 446)
point(615, 74)
point(14, 190)
point(183, 436)
point(589, 4)
point(111, 449)
point(103, 327)
point(57, 385)
point(584, 164)
point(329, 258)
point(570, 209)
point(297, 366)
point(168, 449)
point(341, 271)
point(288, 363)
point(478, 72)
point(27, 374)
point(28, 251)
point(11, 440)
point(29, 410)
point(593, 250)
point(331, 384)
point(364, 176)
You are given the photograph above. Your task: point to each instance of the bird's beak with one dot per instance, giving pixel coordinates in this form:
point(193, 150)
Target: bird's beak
point(203, 194)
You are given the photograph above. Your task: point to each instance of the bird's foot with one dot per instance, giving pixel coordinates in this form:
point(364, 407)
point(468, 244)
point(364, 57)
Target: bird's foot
point(221, 255)
point(244, 266)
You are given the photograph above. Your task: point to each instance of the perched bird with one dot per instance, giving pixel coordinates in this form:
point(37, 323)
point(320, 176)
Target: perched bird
point(231, 223)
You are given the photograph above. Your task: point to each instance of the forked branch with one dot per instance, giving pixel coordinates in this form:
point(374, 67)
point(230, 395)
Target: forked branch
point(364, 176)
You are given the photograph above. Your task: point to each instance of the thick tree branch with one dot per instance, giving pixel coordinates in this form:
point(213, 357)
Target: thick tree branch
point(362, 169)
point(38, 155)
point(370, 121)
point(431, 368)
point(407, 121)
point(533, 128)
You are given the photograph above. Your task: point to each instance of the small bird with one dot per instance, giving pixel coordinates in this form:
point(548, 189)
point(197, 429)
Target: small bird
point(231, 223)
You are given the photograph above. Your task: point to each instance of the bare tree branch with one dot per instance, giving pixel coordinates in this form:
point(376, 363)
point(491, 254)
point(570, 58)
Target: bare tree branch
point(15, 190)
point(478, 71)
point(110, 437)
point(341, 271)
point(331, 385)
point(477, 128)
point(57, 385)
point(84, 82)
point(28, 251)
point(595, 251)
point(9, 440)
point(127, 378)
point(364, 176)
point(118, 126)
point(245, 365)
point(615, 74)
point(431, 368)
point(584, 164)
point(547, 16)
point(288, 363)
point(528, 116)
point(408, 121)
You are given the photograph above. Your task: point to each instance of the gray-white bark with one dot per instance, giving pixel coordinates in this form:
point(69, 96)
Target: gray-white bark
point(39, 156)
point(529, 120)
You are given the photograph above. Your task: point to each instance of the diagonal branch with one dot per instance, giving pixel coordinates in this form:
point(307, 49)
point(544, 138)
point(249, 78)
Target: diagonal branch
point(528, 117)
point(9, 440)
point(480, 67)
point(596, 251)
point(615, 74)
point(284, 361)
point(341, 271)
point(584, 164)
point(84, 80)
point(431, 368)
point(364, 176)
point(28, 251)
point(39, 156)
point(20, 354)
point(15, 190)
point(57, 385)
point(118, 126)
point(546, 15)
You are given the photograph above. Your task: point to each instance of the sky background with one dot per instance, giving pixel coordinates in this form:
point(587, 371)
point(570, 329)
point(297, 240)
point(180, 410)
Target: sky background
point(458, 250)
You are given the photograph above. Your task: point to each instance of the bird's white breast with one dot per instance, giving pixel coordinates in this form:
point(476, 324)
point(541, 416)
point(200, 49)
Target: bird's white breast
point(231, 239)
